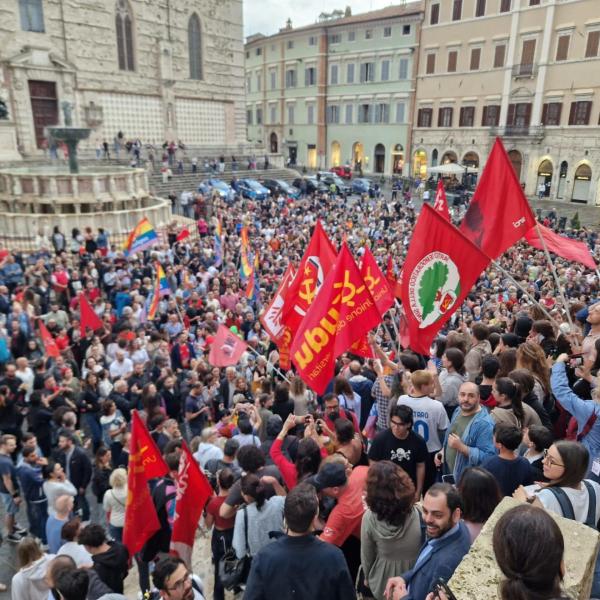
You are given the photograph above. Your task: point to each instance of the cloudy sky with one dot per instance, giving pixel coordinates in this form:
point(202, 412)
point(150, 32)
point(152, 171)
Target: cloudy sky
point(268, 16)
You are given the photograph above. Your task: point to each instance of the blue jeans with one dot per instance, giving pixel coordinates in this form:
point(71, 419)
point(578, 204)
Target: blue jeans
point(116, 533)
point(81, 504)
point(95, 429)
point(37, 514)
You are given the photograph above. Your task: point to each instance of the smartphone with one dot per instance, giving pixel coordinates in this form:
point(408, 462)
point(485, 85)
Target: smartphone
point(576, 359)
point(448, 479)
point(441, 586)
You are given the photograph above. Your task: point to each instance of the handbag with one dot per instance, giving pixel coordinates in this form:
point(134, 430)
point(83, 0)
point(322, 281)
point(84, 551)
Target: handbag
point(233, 571)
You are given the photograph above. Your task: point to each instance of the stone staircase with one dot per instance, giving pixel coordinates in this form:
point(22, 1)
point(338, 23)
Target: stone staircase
point(589, 215)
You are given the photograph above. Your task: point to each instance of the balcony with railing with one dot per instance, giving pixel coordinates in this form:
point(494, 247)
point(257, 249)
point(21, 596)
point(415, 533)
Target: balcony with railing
point(536, 133)
point(524, 71)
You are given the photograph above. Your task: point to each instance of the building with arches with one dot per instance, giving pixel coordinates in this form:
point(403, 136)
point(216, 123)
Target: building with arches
point(525, 70)
point(154, 71)
point(340, 91)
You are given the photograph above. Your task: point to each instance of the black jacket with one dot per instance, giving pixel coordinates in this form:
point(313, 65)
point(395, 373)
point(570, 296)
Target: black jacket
point(112, 566)
point(303, 568)
point(80, 467)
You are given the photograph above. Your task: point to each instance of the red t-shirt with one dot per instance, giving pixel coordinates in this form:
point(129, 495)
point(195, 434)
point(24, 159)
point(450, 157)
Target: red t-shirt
point(346, 518)
point(212, 508)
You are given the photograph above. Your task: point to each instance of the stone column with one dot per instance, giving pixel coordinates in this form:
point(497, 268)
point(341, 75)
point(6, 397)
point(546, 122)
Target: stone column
point(16, 185)
point(53, 187)
point(96, 188)
point(75, 187)
point(36, 186)
point(130, 185)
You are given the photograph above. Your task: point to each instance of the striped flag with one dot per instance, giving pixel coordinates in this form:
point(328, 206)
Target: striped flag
point(141, 238)
point(253, 287)
point(163, 283)
point(219, 244)
point(245, 266)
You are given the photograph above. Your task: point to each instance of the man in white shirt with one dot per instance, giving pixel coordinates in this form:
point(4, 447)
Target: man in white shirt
point(430, 418)
point(121, 367)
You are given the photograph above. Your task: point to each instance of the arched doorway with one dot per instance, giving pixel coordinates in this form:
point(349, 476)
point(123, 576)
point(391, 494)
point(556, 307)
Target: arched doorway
point(471, 159)
point(449, 157)
point(581, 184)
point(335, 154)
point(517, 162)
point(545, 171)
point(398, 159)
point(273, 143)
point(379, 158)
point(420, 163)
point(562, 179)
point(434, 157)
point(358, 155)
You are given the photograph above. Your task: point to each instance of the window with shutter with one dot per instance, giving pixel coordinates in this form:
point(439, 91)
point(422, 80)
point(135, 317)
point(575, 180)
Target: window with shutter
point(445, 117)
point(475, 59)
point(580, 112)
point(527, 57)
point(534, 2)
point(349, 110)
point(467, 116)
point(480, 8)
point(430, 67)
point(385, 70)
point(491, 115)
point(562, 47)
point(510, 117)
point(32, 15)
point(403, 72)
point(505, 6)
point(400, 110)
point(593, 42)
point(551, 113)
point(499, 56)
point(424, 117)
point(350, 73)
point(457, 10)
point(434, 17)
point(452, 60)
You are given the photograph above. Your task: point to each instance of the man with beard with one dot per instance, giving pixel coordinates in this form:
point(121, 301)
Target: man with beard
point(448, 541)
point(174, 582)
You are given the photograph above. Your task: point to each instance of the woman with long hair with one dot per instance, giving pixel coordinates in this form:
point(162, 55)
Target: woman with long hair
point(480, 494)
point(532, 564)
point(390, 532)
point(510, 410)
point(302, 397)
point(348, 399)
point(89, 406)
point(259, 516)
point(530, 356)
point(524, 379)
point(29, 583)
point(114, 502)
point(452, 376)
point(348, 442)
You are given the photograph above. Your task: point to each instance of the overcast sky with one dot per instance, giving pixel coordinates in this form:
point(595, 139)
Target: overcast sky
point(268, 16)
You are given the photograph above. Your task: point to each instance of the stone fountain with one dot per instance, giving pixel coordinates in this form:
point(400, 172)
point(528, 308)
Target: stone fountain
point(34, 198)
point(70, 135)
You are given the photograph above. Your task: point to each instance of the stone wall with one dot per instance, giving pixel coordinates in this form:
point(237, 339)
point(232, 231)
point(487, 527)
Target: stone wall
point(477, 577)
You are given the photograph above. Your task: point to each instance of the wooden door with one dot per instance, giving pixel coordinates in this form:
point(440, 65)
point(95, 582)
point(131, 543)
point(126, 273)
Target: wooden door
point(44, 106)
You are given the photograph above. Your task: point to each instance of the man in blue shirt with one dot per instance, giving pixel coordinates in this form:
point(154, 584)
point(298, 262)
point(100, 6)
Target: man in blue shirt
point(31, 480)
point(448, 541)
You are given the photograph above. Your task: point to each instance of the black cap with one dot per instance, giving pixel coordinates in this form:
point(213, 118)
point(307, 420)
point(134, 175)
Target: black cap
point(330, 475)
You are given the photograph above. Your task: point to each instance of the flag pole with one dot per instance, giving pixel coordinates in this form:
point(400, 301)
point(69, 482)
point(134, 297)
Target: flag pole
point(554, 274)
point(249, 347)
point(525, 292)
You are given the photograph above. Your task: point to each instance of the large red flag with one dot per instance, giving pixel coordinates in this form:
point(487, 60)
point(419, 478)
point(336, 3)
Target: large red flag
point(440, 269)
point(87, 316)
point(193, 491)
point(50, 346)
point(314, 267)
point(499, 214)
point(565, 247)
point(343, 312)
point(441, 202)
point(376, 282)
point(145, 463)
point(226, 349)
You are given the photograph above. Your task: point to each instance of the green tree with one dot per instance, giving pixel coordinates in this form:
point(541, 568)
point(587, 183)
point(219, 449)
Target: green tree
point(433, 279)
point(575, 222)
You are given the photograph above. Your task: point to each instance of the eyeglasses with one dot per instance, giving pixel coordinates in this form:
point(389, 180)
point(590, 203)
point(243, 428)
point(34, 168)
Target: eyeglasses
point(178, 585)
point(398, 424)
point(551, 460)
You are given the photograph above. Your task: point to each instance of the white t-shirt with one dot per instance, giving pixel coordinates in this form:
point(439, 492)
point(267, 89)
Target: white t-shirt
point(579, 500)
point(429, 417)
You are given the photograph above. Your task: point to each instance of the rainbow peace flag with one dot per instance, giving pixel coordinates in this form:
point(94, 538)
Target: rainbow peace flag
point(161, 278)
point(153, 301)
point(141, 238)
point(245, 267)
point(252, 288)
point(219, 244)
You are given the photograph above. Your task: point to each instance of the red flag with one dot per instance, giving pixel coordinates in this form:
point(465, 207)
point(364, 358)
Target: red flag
point(362, 348)
point(440, 269)
point(343, 313)
point(87, 316)
point(378, 285)
point(193, 491)
point(565, 247)
point(48, 341)
point(145, 463)
point(391, 278)
point(184, 233)
point(316, 263)
point(499, 214)
point(226, 349)
point(441, 202)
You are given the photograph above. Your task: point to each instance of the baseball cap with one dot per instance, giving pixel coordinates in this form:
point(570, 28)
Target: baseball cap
point(330, 475)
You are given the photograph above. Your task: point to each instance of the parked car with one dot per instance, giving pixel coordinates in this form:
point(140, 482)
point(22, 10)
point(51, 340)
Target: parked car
point(360, 185)
point(250, 188)
point(312, 184)
point(343, 171)
point(207, 186)
point(278, 186)
point(341, 187)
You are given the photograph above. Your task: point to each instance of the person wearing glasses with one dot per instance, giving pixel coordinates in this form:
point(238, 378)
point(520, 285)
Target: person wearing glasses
point(567, 492)
point(174, 582)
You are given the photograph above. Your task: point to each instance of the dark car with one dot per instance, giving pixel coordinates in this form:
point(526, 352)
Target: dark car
point(341, 187)
point(312, 184)
point(278, 186)
point(360, 185)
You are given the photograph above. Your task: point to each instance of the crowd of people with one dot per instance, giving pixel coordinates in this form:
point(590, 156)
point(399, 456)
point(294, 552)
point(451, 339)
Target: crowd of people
point(378, 487)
